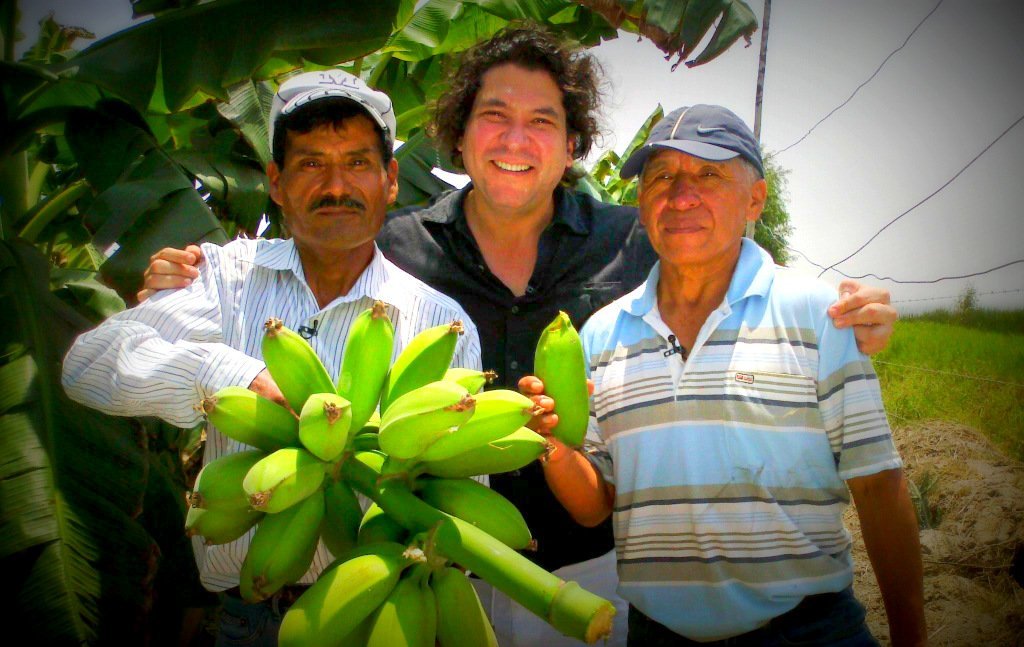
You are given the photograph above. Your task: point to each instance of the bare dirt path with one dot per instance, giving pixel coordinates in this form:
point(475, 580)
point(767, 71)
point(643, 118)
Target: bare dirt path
point(974, 553)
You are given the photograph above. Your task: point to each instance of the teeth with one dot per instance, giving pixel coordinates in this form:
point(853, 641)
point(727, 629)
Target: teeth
point(505, 166)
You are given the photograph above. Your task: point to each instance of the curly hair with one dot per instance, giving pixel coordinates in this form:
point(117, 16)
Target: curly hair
point(577, 74)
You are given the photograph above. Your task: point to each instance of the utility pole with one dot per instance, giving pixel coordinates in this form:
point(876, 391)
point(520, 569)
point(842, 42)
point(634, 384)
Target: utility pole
point(759, 96)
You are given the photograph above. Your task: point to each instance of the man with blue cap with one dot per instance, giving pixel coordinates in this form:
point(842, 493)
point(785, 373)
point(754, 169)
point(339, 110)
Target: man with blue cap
point(731, 422)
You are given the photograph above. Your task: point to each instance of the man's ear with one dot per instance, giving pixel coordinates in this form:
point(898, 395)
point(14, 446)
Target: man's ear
point(570, 148)
point(392, 180)
point(758, 196)
point(274, 176)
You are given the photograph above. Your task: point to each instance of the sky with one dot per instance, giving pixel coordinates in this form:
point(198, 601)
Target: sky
point(935, 105)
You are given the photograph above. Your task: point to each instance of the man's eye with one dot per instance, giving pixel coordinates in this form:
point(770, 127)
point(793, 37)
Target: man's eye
point(310, 163)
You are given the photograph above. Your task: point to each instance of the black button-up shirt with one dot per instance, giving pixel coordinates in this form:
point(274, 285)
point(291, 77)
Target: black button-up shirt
point(589, 255)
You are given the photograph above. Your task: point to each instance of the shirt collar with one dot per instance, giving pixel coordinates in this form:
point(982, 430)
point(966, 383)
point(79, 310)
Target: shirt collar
point(752, 277)
point(381, 280)
point(450, 209)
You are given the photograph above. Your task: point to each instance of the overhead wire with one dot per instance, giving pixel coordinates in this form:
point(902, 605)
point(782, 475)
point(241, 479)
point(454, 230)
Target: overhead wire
point(873, 75)
point(925, 199)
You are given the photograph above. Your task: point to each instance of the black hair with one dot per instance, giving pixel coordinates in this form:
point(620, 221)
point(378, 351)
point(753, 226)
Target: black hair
point(329, 111)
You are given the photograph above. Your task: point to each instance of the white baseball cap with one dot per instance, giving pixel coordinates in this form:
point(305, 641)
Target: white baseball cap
point(307, 87)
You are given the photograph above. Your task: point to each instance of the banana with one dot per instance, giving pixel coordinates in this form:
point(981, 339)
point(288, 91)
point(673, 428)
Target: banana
point(293, 364)
point(324, 425)
point(479, 505)
point(342, 515)
point(424, 360)
point(421, 416)
point(219, 484)
point(408, 617)
point(472, 379)
point(560, 364)
point(372, 425)
point(461, 620)
point(496, 414)
point(245, 416)
point(282, 479)
point(281, 549)
point(342, 598)
point(220, 526)
point(366, 441)
point(365, 361)
point(516, 450)
point(378, 527)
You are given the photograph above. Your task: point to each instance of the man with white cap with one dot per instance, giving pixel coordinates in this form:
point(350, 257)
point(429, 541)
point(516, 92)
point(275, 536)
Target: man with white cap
point(731, 422)
point(333, 175)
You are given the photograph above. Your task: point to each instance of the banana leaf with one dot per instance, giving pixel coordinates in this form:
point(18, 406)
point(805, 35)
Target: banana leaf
point(677, 27)
point(190, 55)
point(78, 566)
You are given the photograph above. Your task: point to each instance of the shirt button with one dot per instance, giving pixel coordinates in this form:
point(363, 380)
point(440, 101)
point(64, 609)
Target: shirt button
point(530, 289)
point(513, 365)
point(515, 310)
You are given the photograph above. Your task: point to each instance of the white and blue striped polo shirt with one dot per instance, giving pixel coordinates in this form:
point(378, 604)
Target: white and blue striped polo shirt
point(729, 468)
point(164, 356)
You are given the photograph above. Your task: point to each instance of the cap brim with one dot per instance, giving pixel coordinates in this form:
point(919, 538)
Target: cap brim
point(305, 97)
point(636, 161)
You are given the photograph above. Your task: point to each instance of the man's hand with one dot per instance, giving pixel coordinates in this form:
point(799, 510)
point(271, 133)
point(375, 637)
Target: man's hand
point(265, 385)
point(532, 387)
point(867, 309)
point(170, 268)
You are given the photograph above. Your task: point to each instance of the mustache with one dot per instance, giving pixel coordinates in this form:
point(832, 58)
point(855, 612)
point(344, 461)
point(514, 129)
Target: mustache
point(346, 202)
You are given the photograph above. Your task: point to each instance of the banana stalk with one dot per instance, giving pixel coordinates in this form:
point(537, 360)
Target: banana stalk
point(565, 605)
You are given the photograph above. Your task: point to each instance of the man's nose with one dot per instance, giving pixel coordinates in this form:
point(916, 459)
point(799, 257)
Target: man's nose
point(336, 179)
point(683, 193)
point(514, 134)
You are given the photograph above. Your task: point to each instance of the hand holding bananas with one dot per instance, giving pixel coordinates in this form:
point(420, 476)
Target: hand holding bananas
point(434, 430)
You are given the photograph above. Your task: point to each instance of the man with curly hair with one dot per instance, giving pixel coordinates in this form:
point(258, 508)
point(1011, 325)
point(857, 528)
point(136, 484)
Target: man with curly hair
point(517, 245)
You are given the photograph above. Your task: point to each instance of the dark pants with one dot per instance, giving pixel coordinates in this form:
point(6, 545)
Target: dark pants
point(257, 624)
point(833, 619)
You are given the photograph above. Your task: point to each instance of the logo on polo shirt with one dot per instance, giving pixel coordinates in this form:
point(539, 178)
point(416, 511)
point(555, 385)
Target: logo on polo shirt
point(746, 378)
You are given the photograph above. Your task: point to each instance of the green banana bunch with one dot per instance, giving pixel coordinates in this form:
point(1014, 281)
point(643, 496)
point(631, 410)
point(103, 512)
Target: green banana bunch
point(293, 364)
point(461, 620)
point(516, 450)
point(342, 516)
point(219, 484)
point(324, 425)
point(408, 616)
point(281, 550)
point(365, 361)
point(472, 379)
point(479, 505)
point(342, 598)
point(371, 426)
point(560, 364)
point(422, 416)
point(245, 416)
point(496, 414)
point(377, 526)
point(220, 526)
point(282, 479)
point(424, 360)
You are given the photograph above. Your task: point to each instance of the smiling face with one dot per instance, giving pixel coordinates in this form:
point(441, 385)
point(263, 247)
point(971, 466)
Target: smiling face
point(334, 187)
point(516, 146)
point(695, 210)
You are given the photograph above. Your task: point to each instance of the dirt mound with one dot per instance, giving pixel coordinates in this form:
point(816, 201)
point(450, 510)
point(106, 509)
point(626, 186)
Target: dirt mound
point(973, 497)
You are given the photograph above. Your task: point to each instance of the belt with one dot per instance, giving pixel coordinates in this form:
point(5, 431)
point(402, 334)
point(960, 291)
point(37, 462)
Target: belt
point(284, 598)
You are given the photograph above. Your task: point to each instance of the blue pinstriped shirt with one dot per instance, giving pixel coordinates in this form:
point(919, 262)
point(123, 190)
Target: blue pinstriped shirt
point(164, 356)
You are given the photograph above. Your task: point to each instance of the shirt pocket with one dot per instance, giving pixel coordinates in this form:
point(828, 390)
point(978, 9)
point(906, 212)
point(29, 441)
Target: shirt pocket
point(775, 436)
point(588, 298)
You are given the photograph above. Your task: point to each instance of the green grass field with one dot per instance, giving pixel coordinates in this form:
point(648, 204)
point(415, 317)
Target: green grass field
point(967, 368)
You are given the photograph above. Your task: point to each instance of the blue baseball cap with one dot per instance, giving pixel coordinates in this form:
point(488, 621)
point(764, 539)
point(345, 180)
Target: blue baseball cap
point(708, 132)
